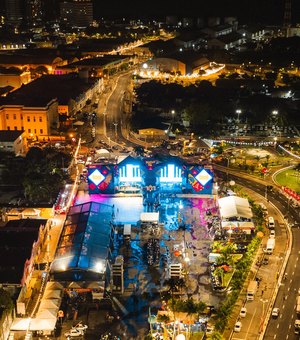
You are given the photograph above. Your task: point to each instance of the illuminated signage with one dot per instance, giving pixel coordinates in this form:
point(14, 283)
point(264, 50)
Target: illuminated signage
point(96, 177)
point(170, 174)
point(203, 177)
point(130, 173)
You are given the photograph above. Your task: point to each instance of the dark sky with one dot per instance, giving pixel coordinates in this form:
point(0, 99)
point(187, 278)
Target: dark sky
point(263, 11)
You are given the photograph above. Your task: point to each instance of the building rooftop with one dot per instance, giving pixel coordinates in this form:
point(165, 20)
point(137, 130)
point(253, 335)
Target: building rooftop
point(9, 135)
point(16, 241)
point(42, 91)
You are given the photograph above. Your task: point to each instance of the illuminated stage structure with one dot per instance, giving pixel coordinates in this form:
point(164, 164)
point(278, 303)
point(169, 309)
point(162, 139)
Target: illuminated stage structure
point(132, 175)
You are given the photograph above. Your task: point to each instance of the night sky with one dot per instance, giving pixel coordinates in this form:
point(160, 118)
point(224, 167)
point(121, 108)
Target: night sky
point(260, 11)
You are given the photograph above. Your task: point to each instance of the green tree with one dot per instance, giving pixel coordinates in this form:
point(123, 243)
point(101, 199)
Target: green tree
point(6, 301)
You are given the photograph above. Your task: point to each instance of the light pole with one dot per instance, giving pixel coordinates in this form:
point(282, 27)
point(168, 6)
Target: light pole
point(262, 315)
point(173, 115)
point(104, 123)
point(238, 112)
point(116, 131)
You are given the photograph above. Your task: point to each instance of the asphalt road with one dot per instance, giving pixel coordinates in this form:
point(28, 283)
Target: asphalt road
point(283, 326)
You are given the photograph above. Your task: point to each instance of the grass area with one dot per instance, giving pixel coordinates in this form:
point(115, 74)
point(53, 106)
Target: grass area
point(289, 178)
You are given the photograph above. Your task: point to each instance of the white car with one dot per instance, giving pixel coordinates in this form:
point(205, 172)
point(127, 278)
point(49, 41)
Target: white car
point(74, 333)
point(275, 312)
point(272, 233)
point(81, 327)
point(243, 312)
point(237, 327)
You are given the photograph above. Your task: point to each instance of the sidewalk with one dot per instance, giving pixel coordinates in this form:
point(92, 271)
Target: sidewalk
point(254, 323)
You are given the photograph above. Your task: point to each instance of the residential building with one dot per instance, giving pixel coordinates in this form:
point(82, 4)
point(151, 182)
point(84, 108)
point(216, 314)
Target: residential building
point(14, 14)
point(14, 77)
point(13, 141)
point(77, 13)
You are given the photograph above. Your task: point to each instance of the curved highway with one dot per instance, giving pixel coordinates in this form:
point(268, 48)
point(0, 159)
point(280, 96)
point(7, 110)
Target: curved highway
point(283, 326)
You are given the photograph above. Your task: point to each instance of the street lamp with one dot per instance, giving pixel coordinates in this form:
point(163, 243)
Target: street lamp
point(116, 131)
point(104, 123)
point(262, 315)
point(173, 115)
point(238, 112)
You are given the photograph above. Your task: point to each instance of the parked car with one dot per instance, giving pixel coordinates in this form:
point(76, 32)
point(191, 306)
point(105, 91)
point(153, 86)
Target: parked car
point(265, 260)
point(237, 327)
point(243, 312)
point(74, 333)
point(81, 327)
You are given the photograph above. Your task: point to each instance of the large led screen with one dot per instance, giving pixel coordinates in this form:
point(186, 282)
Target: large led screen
point(101, 179)
point(130, 173)
point(170, 173)
point(200, 180)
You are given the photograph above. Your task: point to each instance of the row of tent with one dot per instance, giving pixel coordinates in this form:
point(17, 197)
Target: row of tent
point(47, 313)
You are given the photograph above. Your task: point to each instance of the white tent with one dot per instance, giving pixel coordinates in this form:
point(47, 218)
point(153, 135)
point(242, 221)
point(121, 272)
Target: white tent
point(20, 324)
point(238, 226)
point(52, 294)
point(54, 285)
point(233, 206)
point(50, 303)
point(47, 313)
point(149, 217)
point(38, 324)
point(102, 151)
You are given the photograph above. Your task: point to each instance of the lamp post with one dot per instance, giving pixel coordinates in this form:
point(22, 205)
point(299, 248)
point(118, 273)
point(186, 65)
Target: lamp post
point(116, 130)
point(173, 115)
point(262, 315)
point(238, 112)
point(104, 123)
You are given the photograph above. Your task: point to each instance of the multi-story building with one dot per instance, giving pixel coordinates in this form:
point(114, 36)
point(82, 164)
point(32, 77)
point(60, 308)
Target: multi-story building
point(35, 120)
point(36, 107)
point(34, 12)
point(76, 13)
point(14, 14)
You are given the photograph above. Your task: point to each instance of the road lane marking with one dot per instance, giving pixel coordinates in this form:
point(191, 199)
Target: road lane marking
point(250, 323)
point(290, 326)
point(275, 336)
point(289, 289)
point(293, 273)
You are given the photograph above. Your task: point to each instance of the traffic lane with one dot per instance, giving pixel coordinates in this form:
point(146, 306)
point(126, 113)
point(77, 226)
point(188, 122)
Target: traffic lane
point(283, 327)
point(277, 198)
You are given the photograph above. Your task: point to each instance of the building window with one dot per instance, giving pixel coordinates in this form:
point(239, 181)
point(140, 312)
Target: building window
point(7, 116)
point(29, 130)
point(34, 130)
point(40, 119)
point(8, 128)
point(28, 119)
point(41, 131)
point(15, 116)
point(21, 116)
point(15, 127)
point(34, 118)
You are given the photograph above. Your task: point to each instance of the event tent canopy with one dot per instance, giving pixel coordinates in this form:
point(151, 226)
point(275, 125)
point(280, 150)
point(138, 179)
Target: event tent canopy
point(233, 206)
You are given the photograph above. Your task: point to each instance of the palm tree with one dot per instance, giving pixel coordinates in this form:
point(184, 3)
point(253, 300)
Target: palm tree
point(214, 336)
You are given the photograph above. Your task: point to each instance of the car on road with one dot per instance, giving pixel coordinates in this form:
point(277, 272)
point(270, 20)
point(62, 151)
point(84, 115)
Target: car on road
point(74, 333)
point(237, 326)
point(275, 312)
point(81, 327)
point(243, 312)
point(272, 233)
point(265, 260)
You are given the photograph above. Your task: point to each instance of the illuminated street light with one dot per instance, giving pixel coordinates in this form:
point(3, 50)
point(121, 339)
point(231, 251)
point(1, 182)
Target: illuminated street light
point(275, 112)
point(238, 112)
